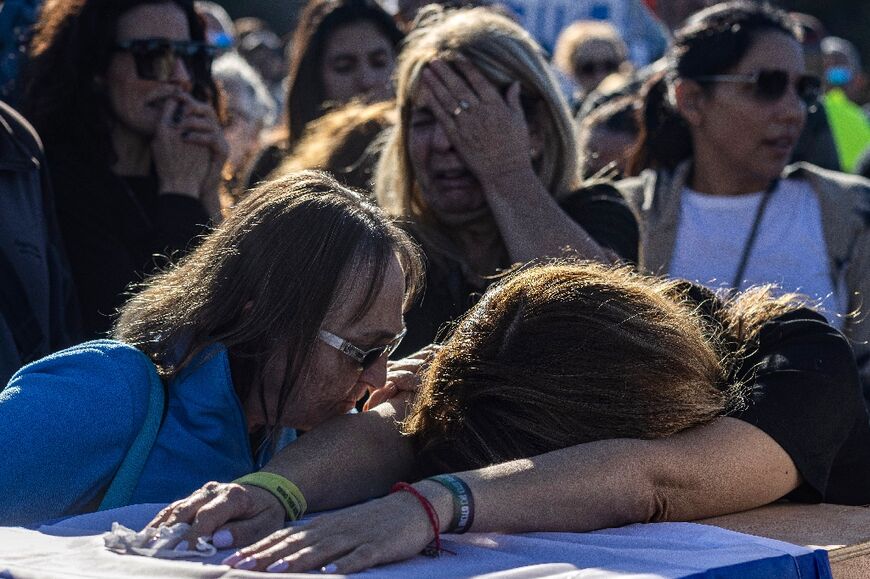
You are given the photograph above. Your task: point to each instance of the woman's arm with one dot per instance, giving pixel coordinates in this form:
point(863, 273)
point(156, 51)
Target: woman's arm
point(724, 467)
point(345, 460)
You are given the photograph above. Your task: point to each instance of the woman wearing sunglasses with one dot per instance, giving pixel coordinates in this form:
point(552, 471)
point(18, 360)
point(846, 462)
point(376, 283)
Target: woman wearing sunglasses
point(718, 202)
point(278, 321)
point(122, 94)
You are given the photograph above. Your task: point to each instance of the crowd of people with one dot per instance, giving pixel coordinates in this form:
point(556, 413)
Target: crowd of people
point(618, 293)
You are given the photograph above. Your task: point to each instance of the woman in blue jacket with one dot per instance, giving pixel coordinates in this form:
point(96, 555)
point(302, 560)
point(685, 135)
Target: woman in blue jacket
point(279, 320)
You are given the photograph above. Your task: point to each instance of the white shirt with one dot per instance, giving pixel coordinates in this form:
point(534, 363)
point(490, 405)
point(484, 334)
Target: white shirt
point(789, 250)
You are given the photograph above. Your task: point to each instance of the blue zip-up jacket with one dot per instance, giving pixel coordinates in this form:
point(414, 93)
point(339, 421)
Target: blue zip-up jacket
point(68, 420)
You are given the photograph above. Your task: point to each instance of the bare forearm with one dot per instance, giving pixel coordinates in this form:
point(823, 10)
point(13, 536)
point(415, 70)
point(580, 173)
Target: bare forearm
point(348, 459)
point(533, 225)
point(725, 467)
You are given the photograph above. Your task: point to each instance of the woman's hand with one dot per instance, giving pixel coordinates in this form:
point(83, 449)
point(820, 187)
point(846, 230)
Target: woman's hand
point(389, 529)
point(402, 376)
point(488, 131)
point(189, 151)
point(232, 515)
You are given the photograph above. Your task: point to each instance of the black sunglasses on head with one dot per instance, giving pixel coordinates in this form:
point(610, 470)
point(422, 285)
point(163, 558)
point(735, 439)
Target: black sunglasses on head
point(156, 58)
point(770, 85)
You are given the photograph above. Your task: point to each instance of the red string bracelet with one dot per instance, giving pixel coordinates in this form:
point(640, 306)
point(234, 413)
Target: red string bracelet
point(429, 551)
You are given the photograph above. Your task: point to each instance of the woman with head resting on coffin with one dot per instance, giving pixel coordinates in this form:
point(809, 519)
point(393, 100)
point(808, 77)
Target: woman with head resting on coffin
point(639, 399)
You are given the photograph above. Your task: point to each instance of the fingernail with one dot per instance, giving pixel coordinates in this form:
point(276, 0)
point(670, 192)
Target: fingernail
point(232, 559)
point(331, 568)
point(246, 564)
point(182, 546)
point(222, 539)
point(278, 566)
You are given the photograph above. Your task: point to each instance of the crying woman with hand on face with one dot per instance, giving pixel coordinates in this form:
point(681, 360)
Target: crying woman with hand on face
point(483, 164)
point(122, 94)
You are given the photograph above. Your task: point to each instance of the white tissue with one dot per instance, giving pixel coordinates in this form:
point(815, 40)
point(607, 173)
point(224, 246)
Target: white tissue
point(159, 542)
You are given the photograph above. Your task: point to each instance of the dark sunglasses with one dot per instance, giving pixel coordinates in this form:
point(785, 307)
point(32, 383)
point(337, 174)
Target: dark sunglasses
point(364, 358)
point(593, 67)
point(156, 58)
point(771, 85)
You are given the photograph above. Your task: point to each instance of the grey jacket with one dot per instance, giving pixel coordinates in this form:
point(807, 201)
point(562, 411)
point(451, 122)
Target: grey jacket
point(845, 205)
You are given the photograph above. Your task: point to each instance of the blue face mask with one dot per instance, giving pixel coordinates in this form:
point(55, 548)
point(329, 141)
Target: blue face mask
point(838, 76)
point(219, 39)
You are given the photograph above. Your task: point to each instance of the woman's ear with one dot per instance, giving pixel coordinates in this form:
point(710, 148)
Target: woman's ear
point(688, 100)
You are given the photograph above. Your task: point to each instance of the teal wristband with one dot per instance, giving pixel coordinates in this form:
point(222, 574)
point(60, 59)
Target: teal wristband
point(463, 502)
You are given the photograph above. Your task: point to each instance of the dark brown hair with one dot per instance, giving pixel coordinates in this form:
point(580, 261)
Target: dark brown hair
point(711, 42)
point(568, 353)
point(319, 19)
point(267, 277)
point(72, 46)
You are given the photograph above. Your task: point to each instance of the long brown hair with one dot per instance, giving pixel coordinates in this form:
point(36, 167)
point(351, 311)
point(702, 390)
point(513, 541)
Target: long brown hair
point(568, 353)
point(73, 44)
point(267, 276)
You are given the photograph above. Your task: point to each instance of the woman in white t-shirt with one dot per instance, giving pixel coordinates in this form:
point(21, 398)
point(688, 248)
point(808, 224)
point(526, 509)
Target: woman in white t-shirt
point(718, 204)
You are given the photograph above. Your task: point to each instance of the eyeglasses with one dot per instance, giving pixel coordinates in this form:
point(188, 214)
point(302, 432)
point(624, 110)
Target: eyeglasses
point(770, 85)
point(593, 67)
point(364, 358)
point(156, 58)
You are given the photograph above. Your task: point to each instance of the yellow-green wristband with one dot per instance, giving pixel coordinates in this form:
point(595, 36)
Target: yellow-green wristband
point(285, 491)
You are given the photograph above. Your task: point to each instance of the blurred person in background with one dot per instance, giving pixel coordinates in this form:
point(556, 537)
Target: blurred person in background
point(342, 50)
point(38, 311)
point(587, 51)
point(816, 144)
point(606, 137)
point(122, 94)
point(250, 109)
point(716, 200)
point(264, 50)
point(844, 81)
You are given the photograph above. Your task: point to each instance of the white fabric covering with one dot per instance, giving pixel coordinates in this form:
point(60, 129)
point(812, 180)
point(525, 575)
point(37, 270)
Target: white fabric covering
point(74, 548)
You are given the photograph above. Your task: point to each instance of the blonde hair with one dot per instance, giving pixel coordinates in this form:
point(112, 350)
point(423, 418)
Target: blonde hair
point(343, 142)
point(504, 53)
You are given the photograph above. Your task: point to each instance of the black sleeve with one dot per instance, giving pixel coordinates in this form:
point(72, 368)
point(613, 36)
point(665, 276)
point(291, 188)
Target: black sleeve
point(602, 211)
point(110, 245)
point(181, 219)
point(805, 395)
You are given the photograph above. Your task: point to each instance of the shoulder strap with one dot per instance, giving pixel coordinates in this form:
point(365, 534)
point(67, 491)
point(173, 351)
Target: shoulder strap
point(127, 476)
point(753, 234)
